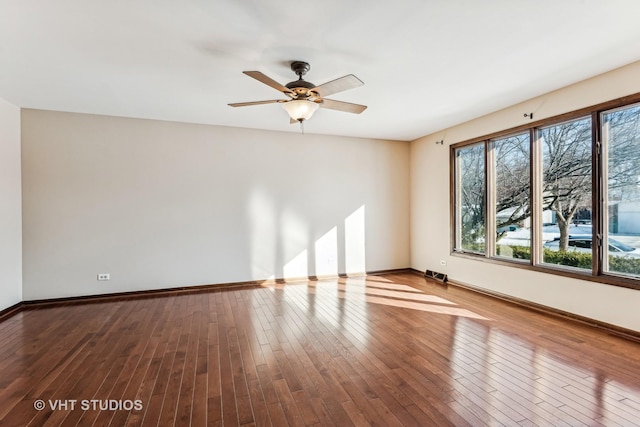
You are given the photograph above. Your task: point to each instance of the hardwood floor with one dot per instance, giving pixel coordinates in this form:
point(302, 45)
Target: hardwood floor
point(385, 350)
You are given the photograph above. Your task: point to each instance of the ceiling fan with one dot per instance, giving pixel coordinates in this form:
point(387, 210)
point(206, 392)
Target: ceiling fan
point(305, 97)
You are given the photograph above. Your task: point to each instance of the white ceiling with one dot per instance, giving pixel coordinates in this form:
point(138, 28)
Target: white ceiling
point(427, 65)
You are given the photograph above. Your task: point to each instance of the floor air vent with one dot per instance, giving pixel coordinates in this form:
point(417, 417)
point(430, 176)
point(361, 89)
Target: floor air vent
point(440, 277)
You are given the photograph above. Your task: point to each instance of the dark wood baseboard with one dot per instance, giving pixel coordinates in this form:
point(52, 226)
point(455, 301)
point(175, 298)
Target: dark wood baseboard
point(391, 271)
point(10, 311)
point(540, 308)
point(149, 293)
point(153, 293)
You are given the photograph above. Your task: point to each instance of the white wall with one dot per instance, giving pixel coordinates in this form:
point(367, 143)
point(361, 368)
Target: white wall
point(159, 204)
point(430, 228)
point(10, 206)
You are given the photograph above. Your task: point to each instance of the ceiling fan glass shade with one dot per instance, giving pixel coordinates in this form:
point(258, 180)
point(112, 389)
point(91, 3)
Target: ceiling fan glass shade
point(300, 109)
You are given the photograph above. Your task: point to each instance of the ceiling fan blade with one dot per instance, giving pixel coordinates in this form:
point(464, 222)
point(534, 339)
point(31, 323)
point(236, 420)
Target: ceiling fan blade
point(246, 104)
point(342, 106)
point(268, 81)
point(338, 85)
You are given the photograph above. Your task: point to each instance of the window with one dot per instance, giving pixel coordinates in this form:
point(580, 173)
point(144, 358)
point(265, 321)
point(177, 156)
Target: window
point(566, 190)
point(562, 196)
point(511, 194)
point(470, 203)
point(621, 140)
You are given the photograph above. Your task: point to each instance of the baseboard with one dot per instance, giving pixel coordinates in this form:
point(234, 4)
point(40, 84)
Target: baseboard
point(540, 308)
point(10, 311)
point(149, 293)
point(391, 271)
point(152, 293)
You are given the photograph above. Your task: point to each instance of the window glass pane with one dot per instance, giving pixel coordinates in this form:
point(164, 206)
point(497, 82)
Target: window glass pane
point(566, 193)
point(470, 196)
point(621, 136)
point(513, 219)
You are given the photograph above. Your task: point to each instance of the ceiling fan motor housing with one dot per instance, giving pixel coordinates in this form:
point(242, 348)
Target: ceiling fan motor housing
point(301, 87)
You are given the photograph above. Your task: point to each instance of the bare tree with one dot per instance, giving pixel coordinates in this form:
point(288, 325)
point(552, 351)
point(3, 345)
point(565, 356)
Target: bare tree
point(622, 130)
point(512, 180)
point(567, 169)
point(566, 176)
point(566, 172)
point(472, 194)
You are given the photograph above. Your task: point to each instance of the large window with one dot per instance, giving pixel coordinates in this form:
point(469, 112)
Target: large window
point(561, 196)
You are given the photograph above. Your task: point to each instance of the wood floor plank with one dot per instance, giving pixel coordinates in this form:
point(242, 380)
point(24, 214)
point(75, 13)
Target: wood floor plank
point(187, 385)
point(393, 349)
point(258, 404)
point(198, 405)
point(154, 404)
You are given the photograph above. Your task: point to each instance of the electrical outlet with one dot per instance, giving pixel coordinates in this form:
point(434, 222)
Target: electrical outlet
point(443, 262)
point(104, 276)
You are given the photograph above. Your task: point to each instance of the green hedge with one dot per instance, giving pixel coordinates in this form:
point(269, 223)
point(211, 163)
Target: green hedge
point(624, 265)
point(568, 258)
point(578, 259)
point(475, 247)
point(520, 252)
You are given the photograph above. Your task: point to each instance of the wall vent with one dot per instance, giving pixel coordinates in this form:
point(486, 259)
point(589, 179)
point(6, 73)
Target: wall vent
point(439, 277)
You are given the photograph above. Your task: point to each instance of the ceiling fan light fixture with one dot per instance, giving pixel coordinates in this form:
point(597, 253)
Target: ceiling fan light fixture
point(300, 109)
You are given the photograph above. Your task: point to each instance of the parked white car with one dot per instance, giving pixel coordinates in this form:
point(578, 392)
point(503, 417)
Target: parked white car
point(584, 244)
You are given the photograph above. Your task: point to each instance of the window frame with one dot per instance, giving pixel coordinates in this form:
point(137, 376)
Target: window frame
point(457, 243)
point(597, 273)
point(539, 196)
